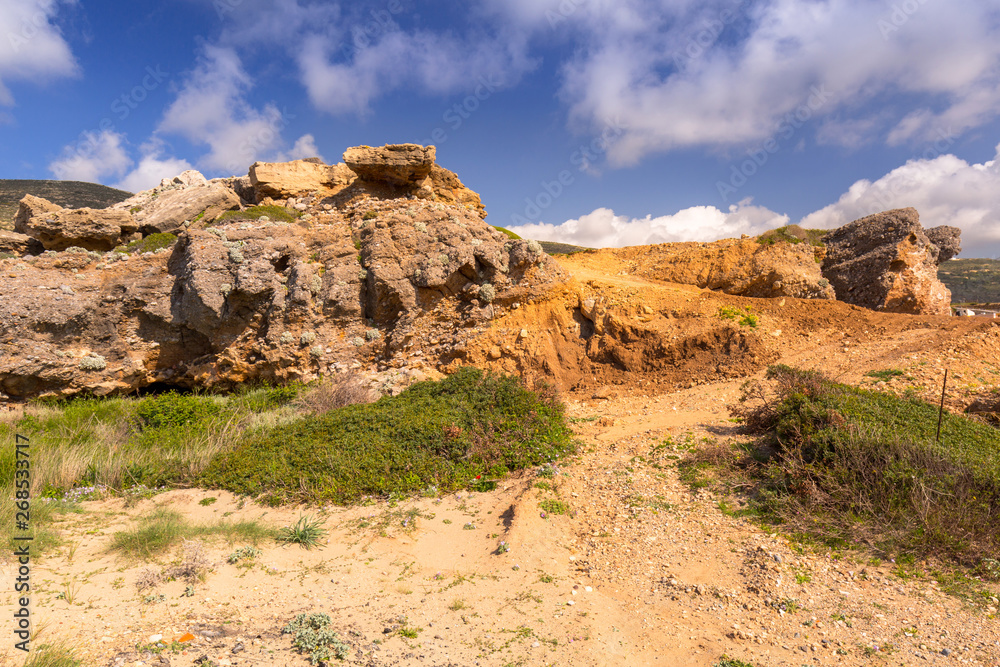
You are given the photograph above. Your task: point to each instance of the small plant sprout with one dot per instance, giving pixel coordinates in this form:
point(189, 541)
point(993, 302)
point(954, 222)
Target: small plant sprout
point(503, 548)
point(306, 532)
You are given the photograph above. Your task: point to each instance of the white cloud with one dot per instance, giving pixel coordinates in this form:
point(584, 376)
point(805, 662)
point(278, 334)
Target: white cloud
point(103, 157)
point(945, 190)
point(212, 109)
point(603, 229)
point(304, 147)
point(31, 45)
point(394, 59)
point(153, 167)
point(724, 73)
point(93, 158)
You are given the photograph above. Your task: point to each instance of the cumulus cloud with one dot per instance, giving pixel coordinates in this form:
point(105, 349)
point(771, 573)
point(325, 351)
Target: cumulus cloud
point(153, 167)
point(211, 109)
point(945, 190)
point(347, 78)
point(725, 73)
point(31, 44)
point(103, 157)
point(603, 229)
point(93, 158)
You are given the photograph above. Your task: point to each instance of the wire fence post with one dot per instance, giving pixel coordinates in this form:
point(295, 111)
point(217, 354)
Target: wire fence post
point(944, 386)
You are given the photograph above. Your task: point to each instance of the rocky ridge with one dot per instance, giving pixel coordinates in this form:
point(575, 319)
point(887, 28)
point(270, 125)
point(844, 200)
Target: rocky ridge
point(375, 277)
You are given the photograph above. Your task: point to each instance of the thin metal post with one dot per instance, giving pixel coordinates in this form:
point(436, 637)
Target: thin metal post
point(941, 411)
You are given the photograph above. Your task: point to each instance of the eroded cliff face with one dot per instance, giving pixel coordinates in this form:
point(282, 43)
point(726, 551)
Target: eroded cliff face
point(361, 278)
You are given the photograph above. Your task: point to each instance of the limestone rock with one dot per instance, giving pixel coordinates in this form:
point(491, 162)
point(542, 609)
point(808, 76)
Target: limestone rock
point(281, 180)
point(13, 243)
point(57, 228)
point(196, 204)
point(735, 266)
point(888, 262)
point(445, 187)
point(394, 164)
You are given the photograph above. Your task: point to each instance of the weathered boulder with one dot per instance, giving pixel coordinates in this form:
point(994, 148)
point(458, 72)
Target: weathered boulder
point(169, 212)
point(394, 164)
point(948, 241)
point(180, 202)
point(887, 262)
point(57, 228)
point(734, 266)
point(282, 180)
point(13, 243)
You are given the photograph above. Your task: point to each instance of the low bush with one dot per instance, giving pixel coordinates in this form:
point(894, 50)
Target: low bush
point(443, 433)
point(852, 465)
point(276, 213)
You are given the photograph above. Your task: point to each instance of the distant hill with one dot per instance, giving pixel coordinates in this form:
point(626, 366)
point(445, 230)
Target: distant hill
point(972, 280)
point(71, 194)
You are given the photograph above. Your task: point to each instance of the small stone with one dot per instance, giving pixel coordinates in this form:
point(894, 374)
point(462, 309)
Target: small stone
point(155, 638)
point(946, 652)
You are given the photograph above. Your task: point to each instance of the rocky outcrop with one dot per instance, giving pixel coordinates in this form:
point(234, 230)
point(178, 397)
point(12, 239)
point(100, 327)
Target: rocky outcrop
point(388, 284)
point(284, 180)
point(734, 266)
point(888, 262)
point(57, 228)
point(178, 203)
point(13, 243)
point(948, 241)
point(395, 164)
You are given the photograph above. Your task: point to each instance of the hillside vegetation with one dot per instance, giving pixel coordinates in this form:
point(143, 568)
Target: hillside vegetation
point(973, 281)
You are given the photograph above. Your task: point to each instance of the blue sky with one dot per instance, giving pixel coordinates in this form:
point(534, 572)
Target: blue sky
point(597, 122)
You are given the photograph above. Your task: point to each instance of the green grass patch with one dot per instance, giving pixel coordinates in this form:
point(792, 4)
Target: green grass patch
point(745, 317)
point(272, 212)
point(164, 528)
point(150, 243)
point(793, 234)
point(553, 506)
point(312, 636)
point(506, 231)
point(847, 466)
point(885, 375)
point(443, 433)
point(53, 655)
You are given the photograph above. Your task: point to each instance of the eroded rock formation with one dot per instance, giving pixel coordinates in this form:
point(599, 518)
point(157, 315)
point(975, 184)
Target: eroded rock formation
point(362, 279)
point(889, 262)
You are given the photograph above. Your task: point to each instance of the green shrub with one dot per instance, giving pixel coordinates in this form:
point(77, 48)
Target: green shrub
point(850, 465)
point(150, 243)
point(793, 234)
point(443, 433)
point(272, 212)
point(172, 409)
point(312, 635)
point(553, 506)
point(743, 316)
